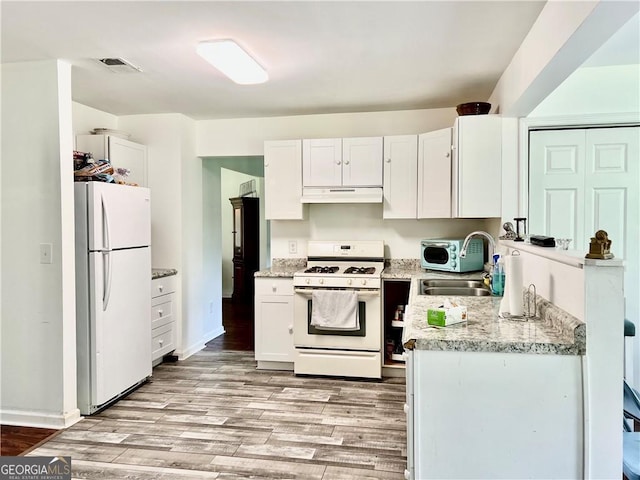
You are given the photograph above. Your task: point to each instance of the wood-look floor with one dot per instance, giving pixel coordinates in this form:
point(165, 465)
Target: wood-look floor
point(215, 416)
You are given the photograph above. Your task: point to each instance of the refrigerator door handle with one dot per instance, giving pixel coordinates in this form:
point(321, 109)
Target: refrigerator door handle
point(105, 225)
point(106, 261)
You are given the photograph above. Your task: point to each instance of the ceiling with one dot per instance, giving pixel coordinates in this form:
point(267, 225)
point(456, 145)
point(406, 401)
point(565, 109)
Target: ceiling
point(322, 57)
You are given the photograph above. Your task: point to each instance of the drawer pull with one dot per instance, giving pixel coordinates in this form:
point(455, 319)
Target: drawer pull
point(159, 313)
point(160, 288)
point(290, 328)
point(274, 287)
point(161, 342)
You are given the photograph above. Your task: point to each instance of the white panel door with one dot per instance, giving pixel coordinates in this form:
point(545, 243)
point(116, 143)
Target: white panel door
point(283, 180)
point(585, 180)
point(556, 184)
point(400, 185)
point(120, 329)
point(434, 174)
point(322, 162)
point(362, 162)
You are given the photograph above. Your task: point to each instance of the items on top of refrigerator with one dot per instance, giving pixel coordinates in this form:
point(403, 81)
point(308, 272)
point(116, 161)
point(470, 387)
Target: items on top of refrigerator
point(87, 169)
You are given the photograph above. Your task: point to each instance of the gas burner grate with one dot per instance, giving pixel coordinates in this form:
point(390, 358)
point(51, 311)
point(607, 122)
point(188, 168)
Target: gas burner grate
point(318, 269)
point(361, 270)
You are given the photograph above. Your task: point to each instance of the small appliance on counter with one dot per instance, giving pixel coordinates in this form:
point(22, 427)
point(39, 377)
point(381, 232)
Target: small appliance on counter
point(444, 255)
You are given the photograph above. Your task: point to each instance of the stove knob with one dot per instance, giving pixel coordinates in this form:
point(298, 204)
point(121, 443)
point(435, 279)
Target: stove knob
point(453, 263)
point(321, 281)
point(364, 282)
point(306, 280)
point(453, 248)
point(453, 255)
point(349, 282)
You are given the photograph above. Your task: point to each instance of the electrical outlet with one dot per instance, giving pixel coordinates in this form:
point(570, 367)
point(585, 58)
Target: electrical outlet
point(46, 250)
point(293, 246)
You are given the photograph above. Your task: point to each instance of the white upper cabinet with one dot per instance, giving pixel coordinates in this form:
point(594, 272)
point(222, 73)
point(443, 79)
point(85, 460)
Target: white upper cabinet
point(283, 180)
point(400, 163)
point(362, 162)
point(434, 174)
point(120, 152)
point(322, 162)
point(336, 162)
point(477, 162)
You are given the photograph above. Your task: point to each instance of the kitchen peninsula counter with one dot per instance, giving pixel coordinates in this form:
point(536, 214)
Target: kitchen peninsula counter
point(510, 385)
point(553, 331)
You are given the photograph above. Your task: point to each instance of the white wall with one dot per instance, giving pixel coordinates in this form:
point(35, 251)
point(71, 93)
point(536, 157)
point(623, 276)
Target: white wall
point(86, 119)
point(38, 385)
point(175, 180)
point(594, 90)
point(364, 222)
point(562, 38)
point(246, 136)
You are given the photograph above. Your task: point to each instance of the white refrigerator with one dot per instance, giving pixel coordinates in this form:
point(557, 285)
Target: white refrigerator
point(113, 291)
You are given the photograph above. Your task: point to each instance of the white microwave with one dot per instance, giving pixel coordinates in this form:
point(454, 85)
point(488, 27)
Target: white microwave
point(444, 255)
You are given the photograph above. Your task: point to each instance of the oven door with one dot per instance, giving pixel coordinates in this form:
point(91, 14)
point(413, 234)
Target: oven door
point(366, 338)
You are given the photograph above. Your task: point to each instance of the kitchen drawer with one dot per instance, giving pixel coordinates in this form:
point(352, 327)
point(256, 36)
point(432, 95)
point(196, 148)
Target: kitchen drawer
point(162, 311)
point(163, 285)
point(162, 341)
point(273, 286)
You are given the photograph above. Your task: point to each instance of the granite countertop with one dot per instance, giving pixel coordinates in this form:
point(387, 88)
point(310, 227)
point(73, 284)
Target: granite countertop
point(282, 268)
point(162, 272)
point(553, 331)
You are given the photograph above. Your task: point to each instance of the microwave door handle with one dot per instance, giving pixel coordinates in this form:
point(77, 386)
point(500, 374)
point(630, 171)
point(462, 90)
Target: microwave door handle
point(442, 245)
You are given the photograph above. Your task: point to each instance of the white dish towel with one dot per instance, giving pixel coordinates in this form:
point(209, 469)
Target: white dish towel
point(335, 310)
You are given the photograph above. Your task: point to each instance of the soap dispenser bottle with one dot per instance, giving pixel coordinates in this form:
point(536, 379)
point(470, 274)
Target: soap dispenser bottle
point(497, 277)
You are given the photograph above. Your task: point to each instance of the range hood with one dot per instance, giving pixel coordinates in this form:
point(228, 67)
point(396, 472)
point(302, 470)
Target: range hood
point(341, 195)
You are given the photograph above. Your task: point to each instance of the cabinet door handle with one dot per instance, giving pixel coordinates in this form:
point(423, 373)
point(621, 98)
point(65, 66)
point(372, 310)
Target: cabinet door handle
point(388, 160)
point(447, 155)
point(346, 162)
point(266, 164)
point(290, 328)
point(338, 162)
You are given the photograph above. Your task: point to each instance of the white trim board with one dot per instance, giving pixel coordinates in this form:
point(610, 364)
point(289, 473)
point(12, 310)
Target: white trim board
point(39, 419)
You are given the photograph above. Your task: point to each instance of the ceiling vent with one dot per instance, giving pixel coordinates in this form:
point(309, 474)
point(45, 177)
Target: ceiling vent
point(118, 65)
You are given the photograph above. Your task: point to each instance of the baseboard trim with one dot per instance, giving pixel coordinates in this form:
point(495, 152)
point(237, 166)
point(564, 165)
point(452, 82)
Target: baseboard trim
point(39, 419)
point(200, 344)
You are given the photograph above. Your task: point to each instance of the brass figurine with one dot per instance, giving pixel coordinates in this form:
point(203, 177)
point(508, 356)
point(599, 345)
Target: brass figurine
point(600, 246)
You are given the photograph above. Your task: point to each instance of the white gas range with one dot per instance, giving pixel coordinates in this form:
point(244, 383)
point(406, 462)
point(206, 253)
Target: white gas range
point(353, 267)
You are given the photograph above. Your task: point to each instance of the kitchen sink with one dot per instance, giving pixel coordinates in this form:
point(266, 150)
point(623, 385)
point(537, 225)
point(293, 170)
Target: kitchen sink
point(468, 288)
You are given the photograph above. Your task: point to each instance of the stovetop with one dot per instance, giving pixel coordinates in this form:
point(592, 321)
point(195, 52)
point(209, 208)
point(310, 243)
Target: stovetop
point(344, 270)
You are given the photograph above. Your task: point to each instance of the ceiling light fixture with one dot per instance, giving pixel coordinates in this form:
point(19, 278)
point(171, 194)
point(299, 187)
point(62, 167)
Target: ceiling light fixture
point(228, 57)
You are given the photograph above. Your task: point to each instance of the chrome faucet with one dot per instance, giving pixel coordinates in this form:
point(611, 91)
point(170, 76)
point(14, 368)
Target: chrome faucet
point(480, 233)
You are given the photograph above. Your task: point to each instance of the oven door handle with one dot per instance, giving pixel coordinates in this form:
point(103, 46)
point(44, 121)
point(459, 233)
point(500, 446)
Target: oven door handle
point(361, 293)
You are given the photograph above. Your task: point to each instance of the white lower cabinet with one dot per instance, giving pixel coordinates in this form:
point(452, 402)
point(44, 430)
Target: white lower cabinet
point(274, 323)
point(494, 415)
point(163, 317)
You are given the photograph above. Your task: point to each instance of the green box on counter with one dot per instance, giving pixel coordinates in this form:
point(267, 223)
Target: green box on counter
point(443, 317)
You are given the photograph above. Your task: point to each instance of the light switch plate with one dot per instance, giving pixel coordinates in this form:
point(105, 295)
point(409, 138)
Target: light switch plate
point(46, 250)
point(293, 246)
